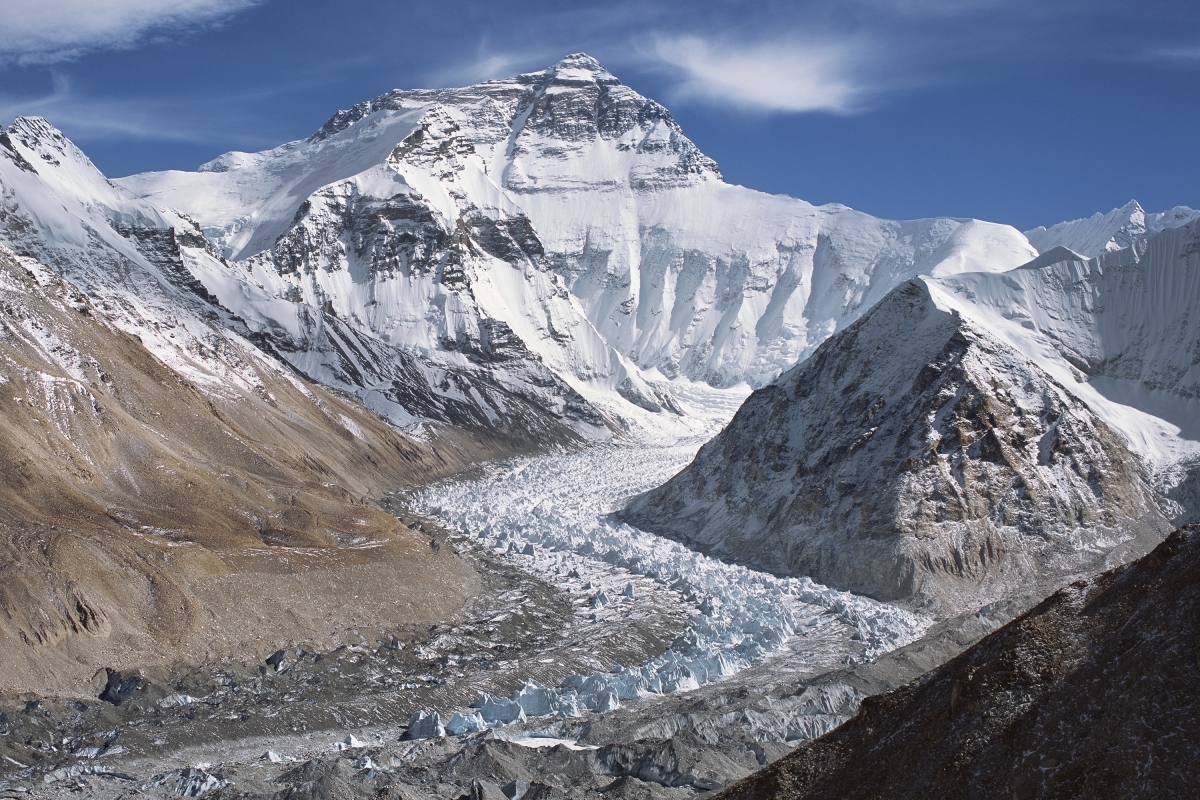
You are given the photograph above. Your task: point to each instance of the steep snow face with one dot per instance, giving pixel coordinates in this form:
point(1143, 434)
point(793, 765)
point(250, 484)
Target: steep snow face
point(570, 209)
point(57, 208)
point(1120, 326)
point(1102, 233)
point(419, 251)
point(913, 456)
point(1119, 331)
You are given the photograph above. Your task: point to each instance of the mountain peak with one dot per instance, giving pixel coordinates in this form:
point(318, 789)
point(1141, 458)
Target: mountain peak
point(1131, 208)
point(579, 61)
point(580, 67)
point(35, 129)
point(45, 144)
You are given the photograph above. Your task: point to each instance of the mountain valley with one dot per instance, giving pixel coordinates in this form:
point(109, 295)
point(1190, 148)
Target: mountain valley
point(487, 443)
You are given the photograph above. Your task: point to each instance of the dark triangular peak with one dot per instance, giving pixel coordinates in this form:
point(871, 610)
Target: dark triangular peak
point(1055, 255)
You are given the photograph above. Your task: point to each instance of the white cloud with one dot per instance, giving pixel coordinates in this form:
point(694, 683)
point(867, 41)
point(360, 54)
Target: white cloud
point(46, 31)
point(779, 76)
point(1180, 54)
point(486, 67)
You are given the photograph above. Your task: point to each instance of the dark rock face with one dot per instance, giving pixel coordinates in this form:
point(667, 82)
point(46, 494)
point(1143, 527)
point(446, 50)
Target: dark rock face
point(118, 687)
point(912, 457)
point(397, 236)
point(1091, 694)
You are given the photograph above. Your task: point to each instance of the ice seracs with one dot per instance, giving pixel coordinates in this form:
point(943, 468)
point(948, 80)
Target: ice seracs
point(738, 616)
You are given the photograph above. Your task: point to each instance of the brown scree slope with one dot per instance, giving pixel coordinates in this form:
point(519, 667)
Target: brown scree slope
point(145, 521)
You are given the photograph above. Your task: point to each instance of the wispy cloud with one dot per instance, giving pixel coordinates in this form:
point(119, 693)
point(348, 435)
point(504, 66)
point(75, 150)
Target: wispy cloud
point(488, 65)
point(47, 31)
point(789, 76)
point(90, 118)
point(1184, 55)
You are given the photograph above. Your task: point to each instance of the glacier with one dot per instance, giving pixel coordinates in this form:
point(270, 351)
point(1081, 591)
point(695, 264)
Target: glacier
point(563, 505)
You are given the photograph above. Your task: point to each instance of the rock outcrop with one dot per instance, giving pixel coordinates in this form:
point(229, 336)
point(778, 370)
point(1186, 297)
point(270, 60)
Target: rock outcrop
point(913, 457)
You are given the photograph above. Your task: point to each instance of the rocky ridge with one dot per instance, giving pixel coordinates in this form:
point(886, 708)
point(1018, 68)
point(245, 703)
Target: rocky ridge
point(913, 457)
point(1090, 694)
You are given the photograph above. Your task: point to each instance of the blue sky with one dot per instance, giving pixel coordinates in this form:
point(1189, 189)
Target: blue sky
point(1018, 111)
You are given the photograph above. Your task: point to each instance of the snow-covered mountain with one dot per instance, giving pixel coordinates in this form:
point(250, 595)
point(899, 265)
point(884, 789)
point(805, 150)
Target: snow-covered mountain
point(533, 258)
point(913, 455)
point(970, 434)
point(1103, 233)
point(553, 227)
point(156, 276)
point(1120, 332)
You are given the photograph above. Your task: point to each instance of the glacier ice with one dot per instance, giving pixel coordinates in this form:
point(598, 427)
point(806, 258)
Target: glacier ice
point(425, 726)
point(464, 723)
point(564, 504)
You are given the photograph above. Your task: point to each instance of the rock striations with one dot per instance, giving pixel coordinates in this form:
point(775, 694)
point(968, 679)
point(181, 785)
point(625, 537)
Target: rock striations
point(913, 456)
point(1093, 693)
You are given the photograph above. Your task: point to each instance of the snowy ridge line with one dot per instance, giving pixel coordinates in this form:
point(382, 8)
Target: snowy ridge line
point(552, 515)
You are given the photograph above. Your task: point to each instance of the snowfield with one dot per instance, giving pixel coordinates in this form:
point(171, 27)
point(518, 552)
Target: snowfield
point(553, 516)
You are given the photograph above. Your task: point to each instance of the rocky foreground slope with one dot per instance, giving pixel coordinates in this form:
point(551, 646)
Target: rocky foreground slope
point(1091, 694)
point(145, 519)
